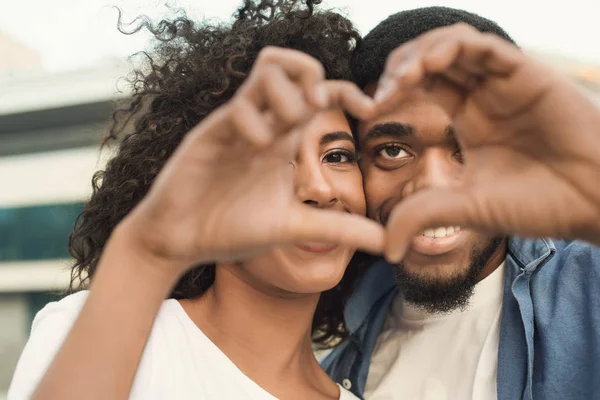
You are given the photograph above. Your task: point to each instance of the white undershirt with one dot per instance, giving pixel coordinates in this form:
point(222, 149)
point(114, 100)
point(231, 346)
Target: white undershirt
point(179, 360)
point(423, 356)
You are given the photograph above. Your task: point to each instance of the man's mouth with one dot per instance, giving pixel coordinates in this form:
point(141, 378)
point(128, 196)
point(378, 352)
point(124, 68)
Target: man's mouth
point(440, 232)
point(440, 240)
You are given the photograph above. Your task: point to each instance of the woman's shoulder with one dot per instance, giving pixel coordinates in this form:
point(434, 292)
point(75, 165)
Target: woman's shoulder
point(71, 302)
point(68, 306)
point(61, 314)
point(50, 328)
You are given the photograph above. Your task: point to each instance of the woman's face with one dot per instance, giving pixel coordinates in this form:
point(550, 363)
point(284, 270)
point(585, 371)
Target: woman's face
point(326, 176)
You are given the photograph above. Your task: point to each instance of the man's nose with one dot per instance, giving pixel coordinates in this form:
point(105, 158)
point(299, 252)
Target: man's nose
point(434, 169)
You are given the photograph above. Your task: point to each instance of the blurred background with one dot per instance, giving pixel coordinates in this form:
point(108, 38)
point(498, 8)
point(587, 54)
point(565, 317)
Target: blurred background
point(60, 64)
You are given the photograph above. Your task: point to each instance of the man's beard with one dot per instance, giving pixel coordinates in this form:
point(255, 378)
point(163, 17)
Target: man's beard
point(441, 296)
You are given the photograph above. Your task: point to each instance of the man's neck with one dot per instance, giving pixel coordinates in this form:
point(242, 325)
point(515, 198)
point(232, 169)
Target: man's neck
point(267, 335)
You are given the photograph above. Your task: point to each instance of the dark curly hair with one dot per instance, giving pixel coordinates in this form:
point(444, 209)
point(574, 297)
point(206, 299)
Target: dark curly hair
point(193, 69)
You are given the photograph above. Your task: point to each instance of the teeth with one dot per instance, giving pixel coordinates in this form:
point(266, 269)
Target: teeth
point(440, 232)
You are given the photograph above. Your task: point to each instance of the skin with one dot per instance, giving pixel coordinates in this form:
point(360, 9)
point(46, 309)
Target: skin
point(239, 160)
point(409, 149)
point(322, 183)
point(275, 295)
point(528, 136)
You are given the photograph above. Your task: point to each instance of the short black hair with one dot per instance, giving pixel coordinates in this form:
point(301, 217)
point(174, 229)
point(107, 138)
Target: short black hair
point(397, 29)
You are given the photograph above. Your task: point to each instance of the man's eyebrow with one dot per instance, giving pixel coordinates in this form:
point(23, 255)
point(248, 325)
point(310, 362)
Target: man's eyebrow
point(335, 136)
point(390, 129)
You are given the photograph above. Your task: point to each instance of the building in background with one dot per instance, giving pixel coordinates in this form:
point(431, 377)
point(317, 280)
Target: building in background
point(586, 75)
point(17, 57)
point(50, 130)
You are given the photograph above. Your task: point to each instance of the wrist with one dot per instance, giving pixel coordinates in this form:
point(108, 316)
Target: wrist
point(129, 242)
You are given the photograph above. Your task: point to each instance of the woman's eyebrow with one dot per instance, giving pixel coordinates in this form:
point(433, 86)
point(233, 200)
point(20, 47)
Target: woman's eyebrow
point(335, 136)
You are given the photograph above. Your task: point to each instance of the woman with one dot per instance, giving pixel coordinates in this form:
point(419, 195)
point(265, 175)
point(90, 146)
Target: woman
point(241, 223)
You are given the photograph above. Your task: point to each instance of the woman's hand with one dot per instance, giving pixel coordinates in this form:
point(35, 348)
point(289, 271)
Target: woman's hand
point(227, 192)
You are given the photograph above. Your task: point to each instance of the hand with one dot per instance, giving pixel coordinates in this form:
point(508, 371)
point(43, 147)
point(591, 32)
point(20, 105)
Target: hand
point(529, 138)
point(227, 192)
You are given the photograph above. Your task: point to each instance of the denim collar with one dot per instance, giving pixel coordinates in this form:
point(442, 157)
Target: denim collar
point(378, 282)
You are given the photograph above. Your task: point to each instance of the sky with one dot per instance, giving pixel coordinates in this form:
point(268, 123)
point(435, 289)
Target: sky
point(72, 34)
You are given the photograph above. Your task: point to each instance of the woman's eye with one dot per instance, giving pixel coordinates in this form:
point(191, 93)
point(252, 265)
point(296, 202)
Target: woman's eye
point(392, 152)
point(340, 157)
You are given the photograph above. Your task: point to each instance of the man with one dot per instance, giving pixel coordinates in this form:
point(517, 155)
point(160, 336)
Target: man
point(467, 314)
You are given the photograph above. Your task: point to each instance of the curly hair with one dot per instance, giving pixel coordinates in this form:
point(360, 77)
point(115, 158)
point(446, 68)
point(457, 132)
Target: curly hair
point(193, 69)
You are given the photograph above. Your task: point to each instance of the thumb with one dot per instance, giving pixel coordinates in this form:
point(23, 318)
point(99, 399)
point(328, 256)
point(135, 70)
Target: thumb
point(311, 224)
point(429, 208)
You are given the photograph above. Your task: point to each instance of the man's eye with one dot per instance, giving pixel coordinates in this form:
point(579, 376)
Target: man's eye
point(340, 157)
point(392, 152)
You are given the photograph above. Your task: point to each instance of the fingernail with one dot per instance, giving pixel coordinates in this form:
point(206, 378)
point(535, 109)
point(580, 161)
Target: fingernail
point(385, 90)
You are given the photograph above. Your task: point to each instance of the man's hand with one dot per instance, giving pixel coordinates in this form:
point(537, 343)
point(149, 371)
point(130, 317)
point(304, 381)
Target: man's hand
point(529, 138)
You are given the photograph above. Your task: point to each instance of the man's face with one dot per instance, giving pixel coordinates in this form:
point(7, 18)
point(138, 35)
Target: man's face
point(407, 150)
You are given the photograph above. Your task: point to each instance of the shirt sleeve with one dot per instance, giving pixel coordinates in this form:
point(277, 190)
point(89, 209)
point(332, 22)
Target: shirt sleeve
point(48, 331)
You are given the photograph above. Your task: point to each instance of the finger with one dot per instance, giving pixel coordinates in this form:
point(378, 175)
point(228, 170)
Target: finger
point(511, 96)
point(448, 89)
point(427, 209)
point(405, 63)
point(463, 79)
point(347, 96)
point(281, 97)
point(399, 56)
point(247, 122)
point(473, 51)
point(484, 67)
point(447, 51)
point(463, 44)
point(392, 90)
point(447, 94)
point(300, 67)
point(503, 81)
point(286, 147)
point(311, 224)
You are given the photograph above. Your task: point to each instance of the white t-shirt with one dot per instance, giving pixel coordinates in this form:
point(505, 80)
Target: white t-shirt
point(178, 362)
point(422, 356)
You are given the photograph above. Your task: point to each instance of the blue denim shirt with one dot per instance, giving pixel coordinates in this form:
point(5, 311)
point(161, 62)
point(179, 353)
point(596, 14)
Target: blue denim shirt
point(549, 332)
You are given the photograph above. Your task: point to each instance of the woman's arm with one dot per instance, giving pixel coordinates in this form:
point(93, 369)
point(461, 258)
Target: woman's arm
point(206, 204)
point(100, 355)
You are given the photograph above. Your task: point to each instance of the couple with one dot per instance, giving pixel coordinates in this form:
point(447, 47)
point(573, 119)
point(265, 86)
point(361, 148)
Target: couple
point(256, 207)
